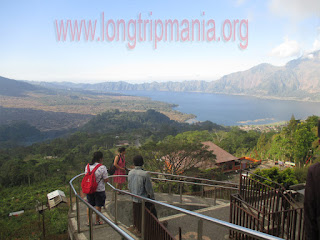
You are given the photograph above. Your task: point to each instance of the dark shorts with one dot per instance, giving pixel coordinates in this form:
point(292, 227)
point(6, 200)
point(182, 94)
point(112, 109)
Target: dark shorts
point(97, 199)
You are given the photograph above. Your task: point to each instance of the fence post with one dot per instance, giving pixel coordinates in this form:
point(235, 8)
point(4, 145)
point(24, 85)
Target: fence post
point(71, 207)
point(116, 207)
point(263, 219)
point(80, 190)
point(200, 229)
point(202, 191)
point(181, 192)
point(112, 198)
point(143, 220)
point(215, 197)
point(240, 184)
point(43, 223)
point(90, 225)
point(169, 188)
point(78, 213)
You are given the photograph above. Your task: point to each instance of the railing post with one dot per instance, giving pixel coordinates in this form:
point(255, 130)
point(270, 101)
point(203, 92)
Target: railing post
point(169, 188)
point(240, 182)
point(202, 191)
point(112, 198)
point(71, 207)
point(215, 197)
point(78, 214)
point(80, 190)
point(200, 229)
point(115, 207)
point(181, 192)
point(90, 225)
point(143, 220)
point(263, 219)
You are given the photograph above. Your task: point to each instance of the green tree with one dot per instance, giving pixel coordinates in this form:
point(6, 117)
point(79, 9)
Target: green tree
point(285, 177)
point(303, 138)
point(175, 155)
point(239, 142)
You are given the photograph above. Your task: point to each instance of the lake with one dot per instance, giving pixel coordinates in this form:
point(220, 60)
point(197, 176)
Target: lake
point(232, 109)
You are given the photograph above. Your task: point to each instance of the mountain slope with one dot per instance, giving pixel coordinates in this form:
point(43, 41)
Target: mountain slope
point(10, 87)
point(299, 78)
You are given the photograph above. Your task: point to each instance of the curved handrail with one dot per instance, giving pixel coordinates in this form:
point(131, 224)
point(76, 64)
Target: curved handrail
point(200, 184)
point(107, 220)
point(228, 225)
point(245, 203)
point(195, 178)
point(275, 183)
point(232, 226)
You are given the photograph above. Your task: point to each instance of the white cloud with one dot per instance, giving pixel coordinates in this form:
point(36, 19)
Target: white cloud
point(310, 56)
point(289, 48)
point(316, 45)
point(295, 8)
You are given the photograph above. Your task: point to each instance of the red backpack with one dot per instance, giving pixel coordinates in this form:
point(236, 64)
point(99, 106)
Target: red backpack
point(89, 184)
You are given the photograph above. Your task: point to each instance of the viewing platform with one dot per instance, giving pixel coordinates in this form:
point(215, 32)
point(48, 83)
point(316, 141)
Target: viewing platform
point(174, 219)
point(184, 214)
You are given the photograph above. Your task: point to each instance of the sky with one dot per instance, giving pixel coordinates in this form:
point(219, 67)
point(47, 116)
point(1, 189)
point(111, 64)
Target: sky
point(32, 44)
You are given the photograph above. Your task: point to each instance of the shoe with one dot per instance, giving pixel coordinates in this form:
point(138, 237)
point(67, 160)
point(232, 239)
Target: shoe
point(137, 233)
point(99, 222)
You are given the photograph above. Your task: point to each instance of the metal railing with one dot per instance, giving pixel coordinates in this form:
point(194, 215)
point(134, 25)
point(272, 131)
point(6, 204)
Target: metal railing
point(235, 185)
point(260, 206)
point(272, 184)
point(154, 229)
point(201, 218)
point(218, 189)
point(91, 210)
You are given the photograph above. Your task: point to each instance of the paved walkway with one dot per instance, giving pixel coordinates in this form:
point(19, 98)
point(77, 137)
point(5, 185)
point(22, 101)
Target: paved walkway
point(175, 220)
point(189, 224)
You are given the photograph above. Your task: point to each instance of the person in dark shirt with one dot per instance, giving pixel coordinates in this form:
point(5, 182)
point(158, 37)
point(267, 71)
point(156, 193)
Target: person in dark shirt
point(312, 201)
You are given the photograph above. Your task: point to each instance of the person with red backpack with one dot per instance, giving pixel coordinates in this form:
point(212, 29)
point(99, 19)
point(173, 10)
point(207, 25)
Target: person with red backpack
point(93, 185)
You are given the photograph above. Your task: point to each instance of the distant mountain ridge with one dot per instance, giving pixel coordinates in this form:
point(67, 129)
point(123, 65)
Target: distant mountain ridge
point(299, 79)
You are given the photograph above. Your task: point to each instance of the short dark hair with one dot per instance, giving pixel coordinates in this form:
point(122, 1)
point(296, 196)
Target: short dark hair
point(138, 160)
point(122, 149)
point(96, 157)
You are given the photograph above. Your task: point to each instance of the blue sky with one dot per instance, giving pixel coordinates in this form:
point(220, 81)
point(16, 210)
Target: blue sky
point(278, 31)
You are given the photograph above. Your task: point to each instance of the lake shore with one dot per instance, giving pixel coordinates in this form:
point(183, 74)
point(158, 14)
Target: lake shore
point(231, 110)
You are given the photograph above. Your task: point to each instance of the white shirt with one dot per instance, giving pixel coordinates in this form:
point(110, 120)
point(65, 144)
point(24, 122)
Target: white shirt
point(101, 174)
